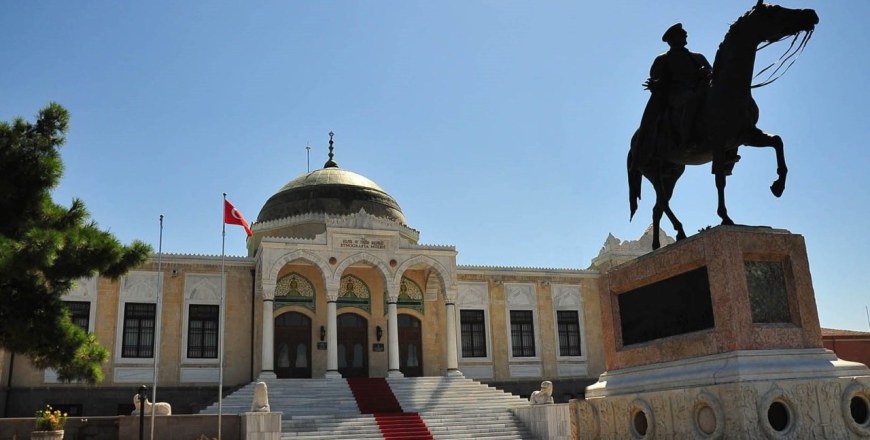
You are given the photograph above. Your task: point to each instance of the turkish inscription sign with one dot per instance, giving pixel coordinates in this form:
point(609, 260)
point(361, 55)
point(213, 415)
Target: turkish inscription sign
point(357, 242)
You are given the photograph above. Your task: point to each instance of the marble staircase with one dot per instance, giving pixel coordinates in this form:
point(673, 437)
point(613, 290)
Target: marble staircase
point(451, 408)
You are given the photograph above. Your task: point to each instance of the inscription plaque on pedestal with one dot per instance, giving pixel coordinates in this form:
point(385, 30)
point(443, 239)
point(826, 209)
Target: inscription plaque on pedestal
point(674, 306)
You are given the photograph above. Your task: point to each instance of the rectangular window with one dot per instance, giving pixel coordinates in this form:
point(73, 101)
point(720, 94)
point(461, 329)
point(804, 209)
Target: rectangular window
point(569, 332)
point(522, 333)
point(202, 331)
point(80, 313)
point(138, 341)
point(473, 326)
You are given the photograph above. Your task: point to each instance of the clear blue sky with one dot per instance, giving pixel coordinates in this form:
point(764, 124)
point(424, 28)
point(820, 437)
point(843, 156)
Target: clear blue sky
point(501, 127)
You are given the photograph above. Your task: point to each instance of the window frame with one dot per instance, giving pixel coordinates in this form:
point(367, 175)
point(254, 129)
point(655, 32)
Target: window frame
point(197, 291)
point(124, 330)
point(577, 306)
point(484, 336)
point(72, 317)
point(531, 325)
point(215, 317)
point(575, 322)
point(467, 300)
point(523, 298)
point(135, 287)
point(85, 290)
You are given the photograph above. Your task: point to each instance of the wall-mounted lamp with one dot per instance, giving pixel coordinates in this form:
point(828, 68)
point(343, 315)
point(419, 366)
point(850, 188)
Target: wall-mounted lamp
point(379, 333)
point(322, 333)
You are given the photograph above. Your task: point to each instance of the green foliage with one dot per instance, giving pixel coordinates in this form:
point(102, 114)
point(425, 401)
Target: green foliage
point(45, 247)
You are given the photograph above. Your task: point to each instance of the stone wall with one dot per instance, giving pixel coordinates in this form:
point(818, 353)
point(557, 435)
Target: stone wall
point(182, 427)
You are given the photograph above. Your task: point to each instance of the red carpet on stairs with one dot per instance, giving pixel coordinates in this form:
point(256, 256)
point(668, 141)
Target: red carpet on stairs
point(374, 396)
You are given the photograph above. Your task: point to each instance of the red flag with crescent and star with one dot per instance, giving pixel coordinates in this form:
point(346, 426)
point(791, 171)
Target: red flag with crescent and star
point(232, 216)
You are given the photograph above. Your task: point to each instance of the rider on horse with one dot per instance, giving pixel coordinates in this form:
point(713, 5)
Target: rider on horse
point(678, 80)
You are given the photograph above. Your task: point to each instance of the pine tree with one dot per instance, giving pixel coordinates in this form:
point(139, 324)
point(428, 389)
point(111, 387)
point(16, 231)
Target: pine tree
point(45, 247)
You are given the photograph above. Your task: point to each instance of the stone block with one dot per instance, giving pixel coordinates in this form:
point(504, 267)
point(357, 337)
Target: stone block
point(261, 426)
point(550, 421)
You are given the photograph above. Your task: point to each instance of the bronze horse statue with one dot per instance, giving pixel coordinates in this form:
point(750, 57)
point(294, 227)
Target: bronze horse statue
point(726, 119)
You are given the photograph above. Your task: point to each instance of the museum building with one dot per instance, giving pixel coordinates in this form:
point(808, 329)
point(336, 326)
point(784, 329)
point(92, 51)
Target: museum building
point(336, 284)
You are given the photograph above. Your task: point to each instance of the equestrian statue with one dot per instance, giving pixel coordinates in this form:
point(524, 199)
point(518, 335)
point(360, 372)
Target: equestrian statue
point(699, 113)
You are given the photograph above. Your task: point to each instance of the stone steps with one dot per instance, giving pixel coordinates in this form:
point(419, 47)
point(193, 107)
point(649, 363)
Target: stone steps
point(452, 408)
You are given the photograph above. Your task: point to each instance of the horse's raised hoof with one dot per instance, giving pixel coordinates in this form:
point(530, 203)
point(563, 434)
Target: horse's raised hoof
point(778, 187)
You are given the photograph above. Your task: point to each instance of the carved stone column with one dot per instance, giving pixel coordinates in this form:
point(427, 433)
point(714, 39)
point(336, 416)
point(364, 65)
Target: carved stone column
point(268, 367)
point(393, 339)
point(332, 335)
point(452, 355)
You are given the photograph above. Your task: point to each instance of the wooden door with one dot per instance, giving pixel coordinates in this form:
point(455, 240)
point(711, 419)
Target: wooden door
point(292, 346)
point(410, 346)
point(353, 340)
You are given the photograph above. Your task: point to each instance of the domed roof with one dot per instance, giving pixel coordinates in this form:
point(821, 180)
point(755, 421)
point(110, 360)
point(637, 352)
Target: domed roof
point(331, 190)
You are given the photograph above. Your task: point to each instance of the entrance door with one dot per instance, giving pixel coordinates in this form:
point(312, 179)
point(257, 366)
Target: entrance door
point(410, 346)
point(353, 341)
point(292, 345)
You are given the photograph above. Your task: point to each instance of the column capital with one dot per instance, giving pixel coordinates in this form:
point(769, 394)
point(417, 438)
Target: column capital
point(393, 290)
point(268, 291)
point(451, 295)
point(332, 292)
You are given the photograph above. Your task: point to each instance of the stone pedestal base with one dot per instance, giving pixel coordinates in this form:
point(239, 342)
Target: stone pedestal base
point(261, 426)
point(551, 421)
point(776, 394)
point(332, 375)
point(454, 373)
point(266, 375)
point(717, 336)
point(395, 373)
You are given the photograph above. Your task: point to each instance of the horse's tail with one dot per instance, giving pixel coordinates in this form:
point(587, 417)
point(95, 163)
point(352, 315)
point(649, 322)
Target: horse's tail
point(634, 185)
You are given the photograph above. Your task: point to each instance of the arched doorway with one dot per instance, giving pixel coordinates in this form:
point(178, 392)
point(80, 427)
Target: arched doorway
point(292, 345)
point(410, 346)
point(353, 341)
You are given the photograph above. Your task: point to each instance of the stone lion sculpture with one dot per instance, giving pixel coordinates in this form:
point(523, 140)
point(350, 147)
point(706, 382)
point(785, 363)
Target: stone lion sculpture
point(261, 398)
point(160, 408)
point(544, 396)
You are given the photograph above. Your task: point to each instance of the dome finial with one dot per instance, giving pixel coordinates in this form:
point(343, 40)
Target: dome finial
point(330, 163)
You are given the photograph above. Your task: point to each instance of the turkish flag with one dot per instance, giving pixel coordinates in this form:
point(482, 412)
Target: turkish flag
point(232, 216)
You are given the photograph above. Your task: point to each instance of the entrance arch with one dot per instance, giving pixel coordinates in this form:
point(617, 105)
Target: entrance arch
point(353, 342)
point(410, 346)
point(292, 345)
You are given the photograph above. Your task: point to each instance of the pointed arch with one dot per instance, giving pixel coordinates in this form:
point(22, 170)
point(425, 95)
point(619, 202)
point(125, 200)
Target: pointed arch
point(366, 257)
point(310, 257)
point(440, 271)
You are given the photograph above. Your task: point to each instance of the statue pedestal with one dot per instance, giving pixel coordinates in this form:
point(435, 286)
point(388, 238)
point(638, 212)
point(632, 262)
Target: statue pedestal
point(550, 421)
point(718, 336)
point(261, 426)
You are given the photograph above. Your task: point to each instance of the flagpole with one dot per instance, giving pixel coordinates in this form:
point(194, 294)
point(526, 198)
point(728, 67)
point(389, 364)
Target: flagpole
point(221, 327)
point(156, 350)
